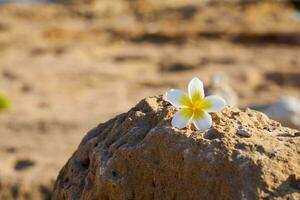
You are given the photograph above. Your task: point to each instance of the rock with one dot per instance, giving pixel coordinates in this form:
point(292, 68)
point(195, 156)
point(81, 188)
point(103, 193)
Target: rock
point(219, 85)
point(139, 155)
point(242, 132)
point(286, 110)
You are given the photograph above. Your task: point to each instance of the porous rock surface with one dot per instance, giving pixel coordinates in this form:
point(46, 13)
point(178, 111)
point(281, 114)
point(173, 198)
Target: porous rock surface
point(139, 155)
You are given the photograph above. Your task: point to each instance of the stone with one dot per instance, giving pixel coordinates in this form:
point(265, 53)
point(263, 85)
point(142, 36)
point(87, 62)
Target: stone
point(139, 155)
point(219, 85)
point(286, 110)
point(242, 132)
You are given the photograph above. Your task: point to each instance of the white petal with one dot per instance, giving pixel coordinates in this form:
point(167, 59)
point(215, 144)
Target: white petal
point(196, 85)
point(216, 103)
point(175, 96)
point(204, 122)
point(181, 120)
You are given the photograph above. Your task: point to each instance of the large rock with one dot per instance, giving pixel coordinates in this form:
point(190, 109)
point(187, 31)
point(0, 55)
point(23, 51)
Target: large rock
point(139, 155)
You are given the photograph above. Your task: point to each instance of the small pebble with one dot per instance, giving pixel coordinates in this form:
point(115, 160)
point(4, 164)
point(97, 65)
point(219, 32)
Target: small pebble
point(297, 134)
point(242, 132)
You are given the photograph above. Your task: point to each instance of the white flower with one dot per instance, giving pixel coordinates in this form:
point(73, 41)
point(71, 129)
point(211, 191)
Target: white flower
point(194, 107)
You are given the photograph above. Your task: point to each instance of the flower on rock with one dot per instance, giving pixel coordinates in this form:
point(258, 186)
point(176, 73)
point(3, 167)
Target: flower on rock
point(194, 106)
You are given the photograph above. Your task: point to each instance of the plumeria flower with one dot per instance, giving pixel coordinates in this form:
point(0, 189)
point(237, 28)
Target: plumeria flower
point(194, 106)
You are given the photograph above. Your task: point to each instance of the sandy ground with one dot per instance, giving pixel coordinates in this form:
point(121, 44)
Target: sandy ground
point(68, 69)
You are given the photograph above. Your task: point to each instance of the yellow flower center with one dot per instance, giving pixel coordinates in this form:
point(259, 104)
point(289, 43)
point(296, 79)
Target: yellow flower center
point(194, 105)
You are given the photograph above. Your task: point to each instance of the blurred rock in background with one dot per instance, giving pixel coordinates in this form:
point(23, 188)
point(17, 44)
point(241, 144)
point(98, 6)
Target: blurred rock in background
point(219, 85)
point(286, 110)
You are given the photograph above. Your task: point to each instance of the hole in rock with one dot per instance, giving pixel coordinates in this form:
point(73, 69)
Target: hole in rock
point(86, 164)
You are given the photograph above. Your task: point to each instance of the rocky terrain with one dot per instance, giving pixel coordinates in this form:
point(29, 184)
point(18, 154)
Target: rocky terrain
point(139, 155)
point(67, 67)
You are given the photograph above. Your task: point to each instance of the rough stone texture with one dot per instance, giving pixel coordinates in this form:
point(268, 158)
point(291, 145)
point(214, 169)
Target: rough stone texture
point(139, 155)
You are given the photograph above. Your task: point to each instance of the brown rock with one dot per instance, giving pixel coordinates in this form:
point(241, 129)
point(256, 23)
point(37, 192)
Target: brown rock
point(139, 155)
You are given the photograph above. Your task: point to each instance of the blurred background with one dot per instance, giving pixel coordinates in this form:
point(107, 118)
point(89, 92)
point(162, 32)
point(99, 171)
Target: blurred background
point(66, 66)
